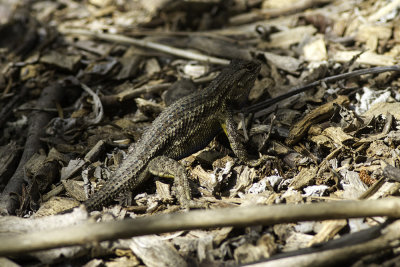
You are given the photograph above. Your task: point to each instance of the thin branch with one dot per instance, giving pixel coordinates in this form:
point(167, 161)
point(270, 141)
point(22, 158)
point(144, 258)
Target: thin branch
point(37, 122)
point(147, 44)
point(265, 14)
point(135, 92)
point(239, 217)
point(116, 99)
point(389, 239)
point(298, 90)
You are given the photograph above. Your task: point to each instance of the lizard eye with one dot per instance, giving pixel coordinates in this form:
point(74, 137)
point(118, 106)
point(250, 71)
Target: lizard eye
point(253, 67)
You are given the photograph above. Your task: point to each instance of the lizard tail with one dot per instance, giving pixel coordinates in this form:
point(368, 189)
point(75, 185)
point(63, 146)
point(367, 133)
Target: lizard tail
point(127, 177)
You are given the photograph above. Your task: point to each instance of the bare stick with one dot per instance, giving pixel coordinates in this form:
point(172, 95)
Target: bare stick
point(264, 14)
point(341, 255)
point(37, 121)
point(300, 89)
point(147, 44)
point(113, 100)
point(239, 217)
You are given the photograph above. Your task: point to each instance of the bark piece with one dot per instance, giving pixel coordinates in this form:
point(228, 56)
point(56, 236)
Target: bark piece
point(317, 115)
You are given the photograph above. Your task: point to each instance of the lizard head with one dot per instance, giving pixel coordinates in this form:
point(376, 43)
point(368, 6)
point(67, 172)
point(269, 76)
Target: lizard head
point(242, 80)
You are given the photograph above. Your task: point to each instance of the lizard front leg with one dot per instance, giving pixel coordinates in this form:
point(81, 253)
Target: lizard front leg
point(169, 168)
point(230, 128)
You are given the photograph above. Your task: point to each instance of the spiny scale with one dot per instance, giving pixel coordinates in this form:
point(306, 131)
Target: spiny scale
point(183, 128)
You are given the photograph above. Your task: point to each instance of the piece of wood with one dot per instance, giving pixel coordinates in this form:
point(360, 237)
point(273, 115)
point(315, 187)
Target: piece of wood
point(238, 217)
point(317, 115)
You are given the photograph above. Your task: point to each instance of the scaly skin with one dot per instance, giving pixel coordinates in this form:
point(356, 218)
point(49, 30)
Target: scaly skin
point(183, 128)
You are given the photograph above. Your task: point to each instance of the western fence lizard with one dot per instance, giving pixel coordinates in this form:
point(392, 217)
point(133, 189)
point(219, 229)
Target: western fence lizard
point(183, 128)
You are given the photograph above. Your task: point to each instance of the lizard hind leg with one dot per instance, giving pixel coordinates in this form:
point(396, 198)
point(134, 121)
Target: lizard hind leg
point(166, 167)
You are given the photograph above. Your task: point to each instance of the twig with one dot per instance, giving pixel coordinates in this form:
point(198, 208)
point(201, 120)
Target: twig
point(147, 44)
point(269, 13)
point(116, 99)
point(341, 255)
point(239, 217)
point(135, 92)
point(297, 90)
point(37, 122)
